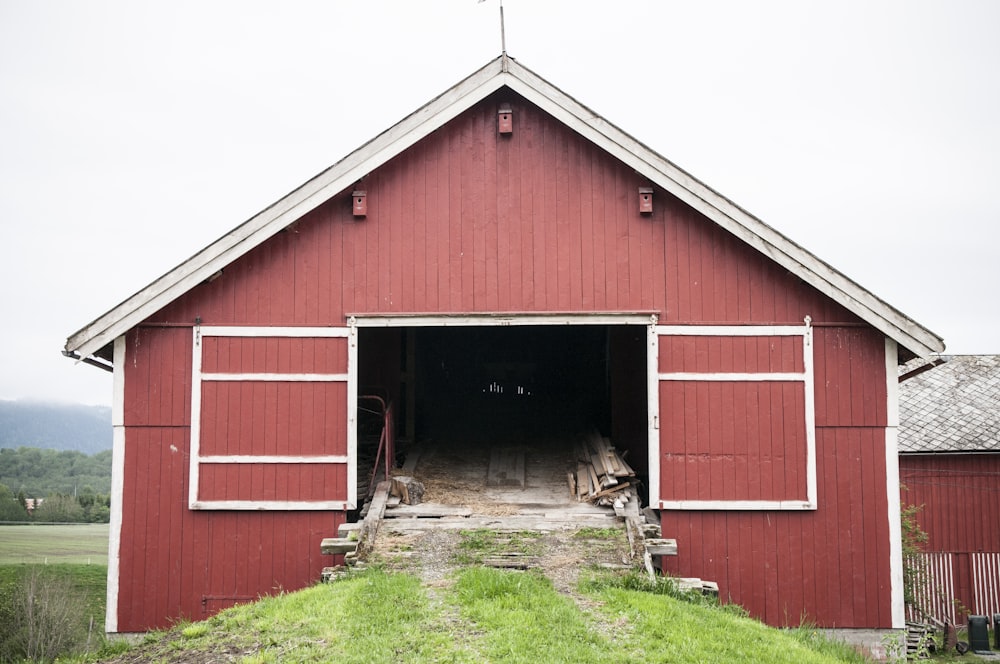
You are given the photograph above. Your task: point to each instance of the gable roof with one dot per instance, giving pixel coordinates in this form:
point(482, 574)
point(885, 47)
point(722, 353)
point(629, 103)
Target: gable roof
point(502, 72)
point(952, 407)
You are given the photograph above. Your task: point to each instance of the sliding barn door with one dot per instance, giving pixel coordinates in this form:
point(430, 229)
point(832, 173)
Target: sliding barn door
point(732, 417)
point(272, 418)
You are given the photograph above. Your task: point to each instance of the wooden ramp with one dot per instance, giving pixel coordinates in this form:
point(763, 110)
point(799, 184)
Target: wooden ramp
point(509, 489)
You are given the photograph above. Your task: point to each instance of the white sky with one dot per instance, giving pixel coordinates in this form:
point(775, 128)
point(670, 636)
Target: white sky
point(132, 134)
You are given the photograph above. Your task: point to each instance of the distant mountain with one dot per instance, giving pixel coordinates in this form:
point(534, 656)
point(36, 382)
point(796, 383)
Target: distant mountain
point(55, 426)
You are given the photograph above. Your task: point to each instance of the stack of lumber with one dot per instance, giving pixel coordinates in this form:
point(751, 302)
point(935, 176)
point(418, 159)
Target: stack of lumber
point(919, 640)
point(602, 476)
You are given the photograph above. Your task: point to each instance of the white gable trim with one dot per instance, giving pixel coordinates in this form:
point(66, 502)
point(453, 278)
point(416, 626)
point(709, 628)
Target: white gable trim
point(498, 73)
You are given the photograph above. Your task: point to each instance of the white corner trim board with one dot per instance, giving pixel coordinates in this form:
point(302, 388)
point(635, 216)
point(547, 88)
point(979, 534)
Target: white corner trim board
point(806, 377)
point(198, 378)
point(117, 485)
point(892, 484)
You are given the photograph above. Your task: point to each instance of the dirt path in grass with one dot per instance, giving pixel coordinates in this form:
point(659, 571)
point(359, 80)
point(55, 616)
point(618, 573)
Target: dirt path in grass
point(561, 555)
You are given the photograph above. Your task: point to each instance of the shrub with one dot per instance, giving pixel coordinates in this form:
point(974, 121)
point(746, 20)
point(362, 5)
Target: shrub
point(58, 508)
point(44, 619)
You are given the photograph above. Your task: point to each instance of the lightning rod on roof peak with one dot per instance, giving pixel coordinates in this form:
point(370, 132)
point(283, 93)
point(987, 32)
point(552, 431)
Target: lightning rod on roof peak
point(503, 35)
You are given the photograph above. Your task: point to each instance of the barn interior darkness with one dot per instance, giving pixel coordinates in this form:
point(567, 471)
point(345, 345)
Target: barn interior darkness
point(510, 385)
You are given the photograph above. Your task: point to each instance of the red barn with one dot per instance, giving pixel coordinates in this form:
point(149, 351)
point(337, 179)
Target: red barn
point(949, 466)
point(754, 384)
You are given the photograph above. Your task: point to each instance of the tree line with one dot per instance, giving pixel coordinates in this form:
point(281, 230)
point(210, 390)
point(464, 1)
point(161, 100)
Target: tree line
point(54, 486)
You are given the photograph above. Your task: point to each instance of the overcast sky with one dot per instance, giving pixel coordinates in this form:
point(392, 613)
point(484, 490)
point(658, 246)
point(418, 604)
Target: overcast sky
point(132, 134)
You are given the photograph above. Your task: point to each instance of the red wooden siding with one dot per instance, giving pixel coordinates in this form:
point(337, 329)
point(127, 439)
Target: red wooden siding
point(539, 221)
point(832, 564)
point(175, 562)
point(157, 379)
point(733, 441)
point(273, 418)
point(959, 495)
point(719, 354)
point(288, 355)
point(272, 481)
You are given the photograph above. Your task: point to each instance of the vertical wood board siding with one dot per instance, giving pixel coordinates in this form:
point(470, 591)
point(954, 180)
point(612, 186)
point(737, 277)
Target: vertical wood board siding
point(466, 221)
point(273, 481)
point(960, 495)
point(172, 558)
point(287, 355)
point(831, 564)
point(257, 418)
point(733, 441)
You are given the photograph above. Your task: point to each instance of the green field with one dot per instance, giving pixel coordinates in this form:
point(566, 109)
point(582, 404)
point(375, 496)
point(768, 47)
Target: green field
point(81, 544)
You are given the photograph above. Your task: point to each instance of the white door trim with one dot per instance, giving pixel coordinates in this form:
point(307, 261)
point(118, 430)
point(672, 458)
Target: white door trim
point(806, 377)
point(198, 377)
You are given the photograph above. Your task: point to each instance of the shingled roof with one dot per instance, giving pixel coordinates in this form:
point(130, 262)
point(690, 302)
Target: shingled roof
point(952, 407)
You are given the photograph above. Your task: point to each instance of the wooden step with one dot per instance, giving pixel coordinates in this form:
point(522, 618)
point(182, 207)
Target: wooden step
point(510, 560)
point(661, 547)
point(698, 585)
point(426, 511)
point(501, 523)
point(331, 546)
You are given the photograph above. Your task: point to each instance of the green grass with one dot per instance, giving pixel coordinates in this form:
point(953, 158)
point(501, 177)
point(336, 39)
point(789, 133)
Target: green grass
point(70, 543)
point(367, 617)
point(663, 628)
point(591, 533)
point(523, 619)
point(484, 615)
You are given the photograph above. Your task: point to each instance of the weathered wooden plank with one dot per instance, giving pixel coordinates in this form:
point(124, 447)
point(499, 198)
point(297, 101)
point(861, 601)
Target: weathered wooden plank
point(603, 478)
point(426, 511)
point(506, 523)
point(700, 585)
point(331, 546)
point(512, 560)
point(661, 547)
point(373, 518)
point(506, 467)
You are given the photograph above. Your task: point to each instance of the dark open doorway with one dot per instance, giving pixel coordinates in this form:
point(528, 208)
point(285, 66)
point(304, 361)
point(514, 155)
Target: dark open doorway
point(537, 387)
point(508, 384)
